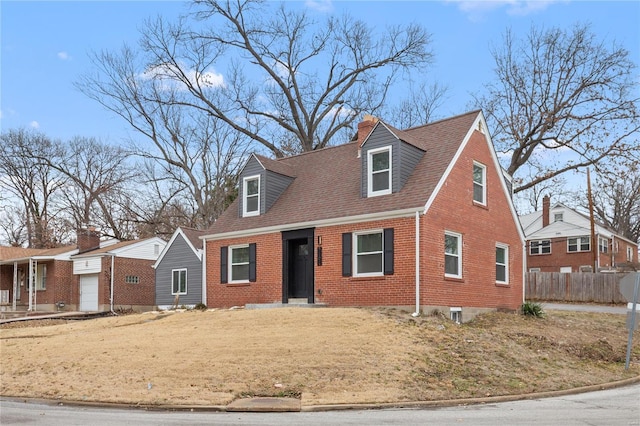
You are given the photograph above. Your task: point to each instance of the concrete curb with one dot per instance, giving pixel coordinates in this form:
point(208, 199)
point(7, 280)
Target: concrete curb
point(279, 405)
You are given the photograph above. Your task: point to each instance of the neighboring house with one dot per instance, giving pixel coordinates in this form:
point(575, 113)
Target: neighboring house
point(48, 269)
point(179, 270)
point(80, 277)
point(559, 240)
point(420, 219)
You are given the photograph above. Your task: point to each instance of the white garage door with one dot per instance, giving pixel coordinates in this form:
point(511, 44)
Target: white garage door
point(89, 292)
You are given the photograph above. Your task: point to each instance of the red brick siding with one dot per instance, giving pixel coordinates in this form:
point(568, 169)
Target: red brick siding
point(481, 228)
point(267, 288)
point(143, 293)
point(397, 289)
point(559, 256)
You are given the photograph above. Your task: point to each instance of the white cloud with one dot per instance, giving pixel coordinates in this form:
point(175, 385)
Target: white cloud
point(63, 56)
point(165, 73)
point(34, 124)
point(320, 5)
point(476, 10)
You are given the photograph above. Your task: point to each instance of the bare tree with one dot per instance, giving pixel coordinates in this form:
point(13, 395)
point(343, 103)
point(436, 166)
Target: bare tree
point(617, 202)
point(562, 99)
point(98, 175)
point(33, 183)
point(13, 227)
point(291, 84)
point(420, 107)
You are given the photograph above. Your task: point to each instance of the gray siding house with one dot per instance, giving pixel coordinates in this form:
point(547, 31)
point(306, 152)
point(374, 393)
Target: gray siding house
point(179, 270)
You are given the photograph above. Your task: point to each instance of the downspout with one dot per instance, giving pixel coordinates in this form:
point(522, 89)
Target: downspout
point(524, 270)
point(111, 283)
point(15, 286)
point(203, 259)
point(417, 312)
point(31, 284)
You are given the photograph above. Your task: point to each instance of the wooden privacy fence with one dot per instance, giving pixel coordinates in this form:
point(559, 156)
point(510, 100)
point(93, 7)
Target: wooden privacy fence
point(575, 287)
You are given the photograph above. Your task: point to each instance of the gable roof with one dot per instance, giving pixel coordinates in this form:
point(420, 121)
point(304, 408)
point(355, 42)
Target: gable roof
point(574, 224)
point(319, 195)
point(119, 248)
point(12, 254)
point(190, 236)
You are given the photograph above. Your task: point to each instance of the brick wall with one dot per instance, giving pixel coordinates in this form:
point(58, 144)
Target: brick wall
point(481, 228)
point(560, 257)
point(267, 288)
point(141, 293)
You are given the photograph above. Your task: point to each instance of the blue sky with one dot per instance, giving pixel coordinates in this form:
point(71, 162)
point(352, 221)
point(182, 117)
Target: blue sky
point(45, 46)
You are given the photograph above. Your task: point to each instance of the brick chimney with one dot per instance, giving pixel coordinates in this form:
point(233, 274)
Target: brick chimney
point(88, 239)
point(546, 206)
point(365, 127)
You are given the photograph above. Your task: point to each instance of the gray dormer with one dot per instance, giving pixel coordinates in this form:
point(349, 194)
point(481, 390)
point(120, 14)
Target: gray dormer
point(260, 184)
point(387, 162)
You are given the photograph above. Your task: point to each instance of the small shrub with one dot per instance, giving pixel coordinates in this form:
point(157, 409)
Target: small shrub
point(200, 307)
point(532, 309)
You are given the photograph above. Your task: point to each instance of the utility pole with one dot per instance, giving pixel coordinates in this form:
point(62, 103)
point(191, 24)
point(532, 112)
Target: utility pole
point(594, 243)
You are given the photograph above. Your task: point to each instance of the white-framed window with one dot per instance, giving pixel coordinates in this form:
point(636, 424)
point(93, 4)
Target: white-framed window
point(578, 244)
point(455, 314)
point(379, 171)
point(239, 264)
point(452, 254)
point(629, 254)
point(603, 245)
point(479, 183)
point(502, 263)
point(540, 247)
point(41, 277)
point(558, 217)
point(566, 269)
point(368, 253)
point(179, 281)
point(251, 196)
point(131, 279)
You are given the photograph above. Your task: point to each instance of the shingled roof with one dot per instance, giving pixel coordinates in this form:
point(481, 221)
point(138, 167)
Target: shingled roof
point(327, 182)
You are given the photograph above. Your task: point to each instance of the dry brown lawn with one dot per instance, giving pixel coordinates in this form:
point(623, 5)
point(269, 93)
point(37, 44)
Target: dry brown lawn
point(323, 356)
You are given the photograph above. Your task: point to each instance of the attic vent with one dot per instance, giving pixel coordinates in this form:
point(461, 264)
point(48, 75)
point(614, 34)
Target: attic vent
point(480, 127)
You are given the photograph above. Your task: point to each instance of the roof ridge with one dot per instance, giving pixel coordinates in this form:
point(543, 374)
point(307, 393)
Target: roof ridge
point(476, 111)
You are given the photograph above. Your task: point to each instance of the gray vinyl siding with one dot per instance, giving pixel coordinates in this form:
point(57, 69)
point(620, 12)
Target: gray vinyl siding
point(275, 184)
point(409, 157)
point(404, 159)
point(179, 256)
point(252, 168)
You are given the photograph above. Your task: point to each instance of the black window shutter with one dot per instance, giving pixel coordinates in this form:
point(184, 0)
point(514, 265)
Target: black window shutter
point(252, 262)
point(388, 251)
point(224, 252)
point(346, 254)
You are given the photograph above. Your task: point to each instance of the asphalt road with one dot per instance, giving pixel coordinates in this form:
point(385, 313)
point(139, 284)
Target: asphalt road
point(620, 406)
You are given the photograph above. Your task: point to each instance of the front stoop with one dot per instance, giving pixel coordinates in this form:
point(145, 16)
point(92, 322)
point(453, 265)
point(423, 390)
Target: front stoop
point(265, 405)
point(284, 305)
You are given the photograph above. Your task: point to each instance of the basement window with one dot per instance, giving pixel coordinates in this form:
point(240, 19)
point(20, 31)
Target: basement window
point(455, 314)
point(132, 279)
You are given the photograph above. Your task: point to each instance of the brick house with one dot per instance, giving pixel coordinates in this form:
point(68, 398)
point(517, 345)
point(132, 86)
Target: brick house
point(80, 278)
point(559, 240)
point(420, 219)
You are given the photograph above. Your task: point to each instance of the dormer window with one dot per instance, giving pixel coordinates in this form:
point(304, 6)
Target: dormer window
point(379, 171)
point(251, 196)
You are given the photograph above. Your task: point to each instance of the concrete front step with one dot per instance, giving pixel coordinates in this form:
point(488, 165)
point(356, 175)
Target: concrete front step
point(284, 305)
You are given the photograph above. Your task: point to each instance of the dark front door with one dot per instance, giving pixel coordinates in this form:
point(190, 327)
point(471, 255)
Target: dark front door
point(298, 264)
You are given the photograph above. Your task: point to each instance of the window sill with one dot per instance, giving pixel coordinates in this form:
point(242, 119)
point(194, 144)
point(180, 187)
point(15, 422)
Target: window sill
point(482, 206)
point(454, 279)
point(499, 284)
point(370, 278)
point(539, 254)
point(238, 284)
